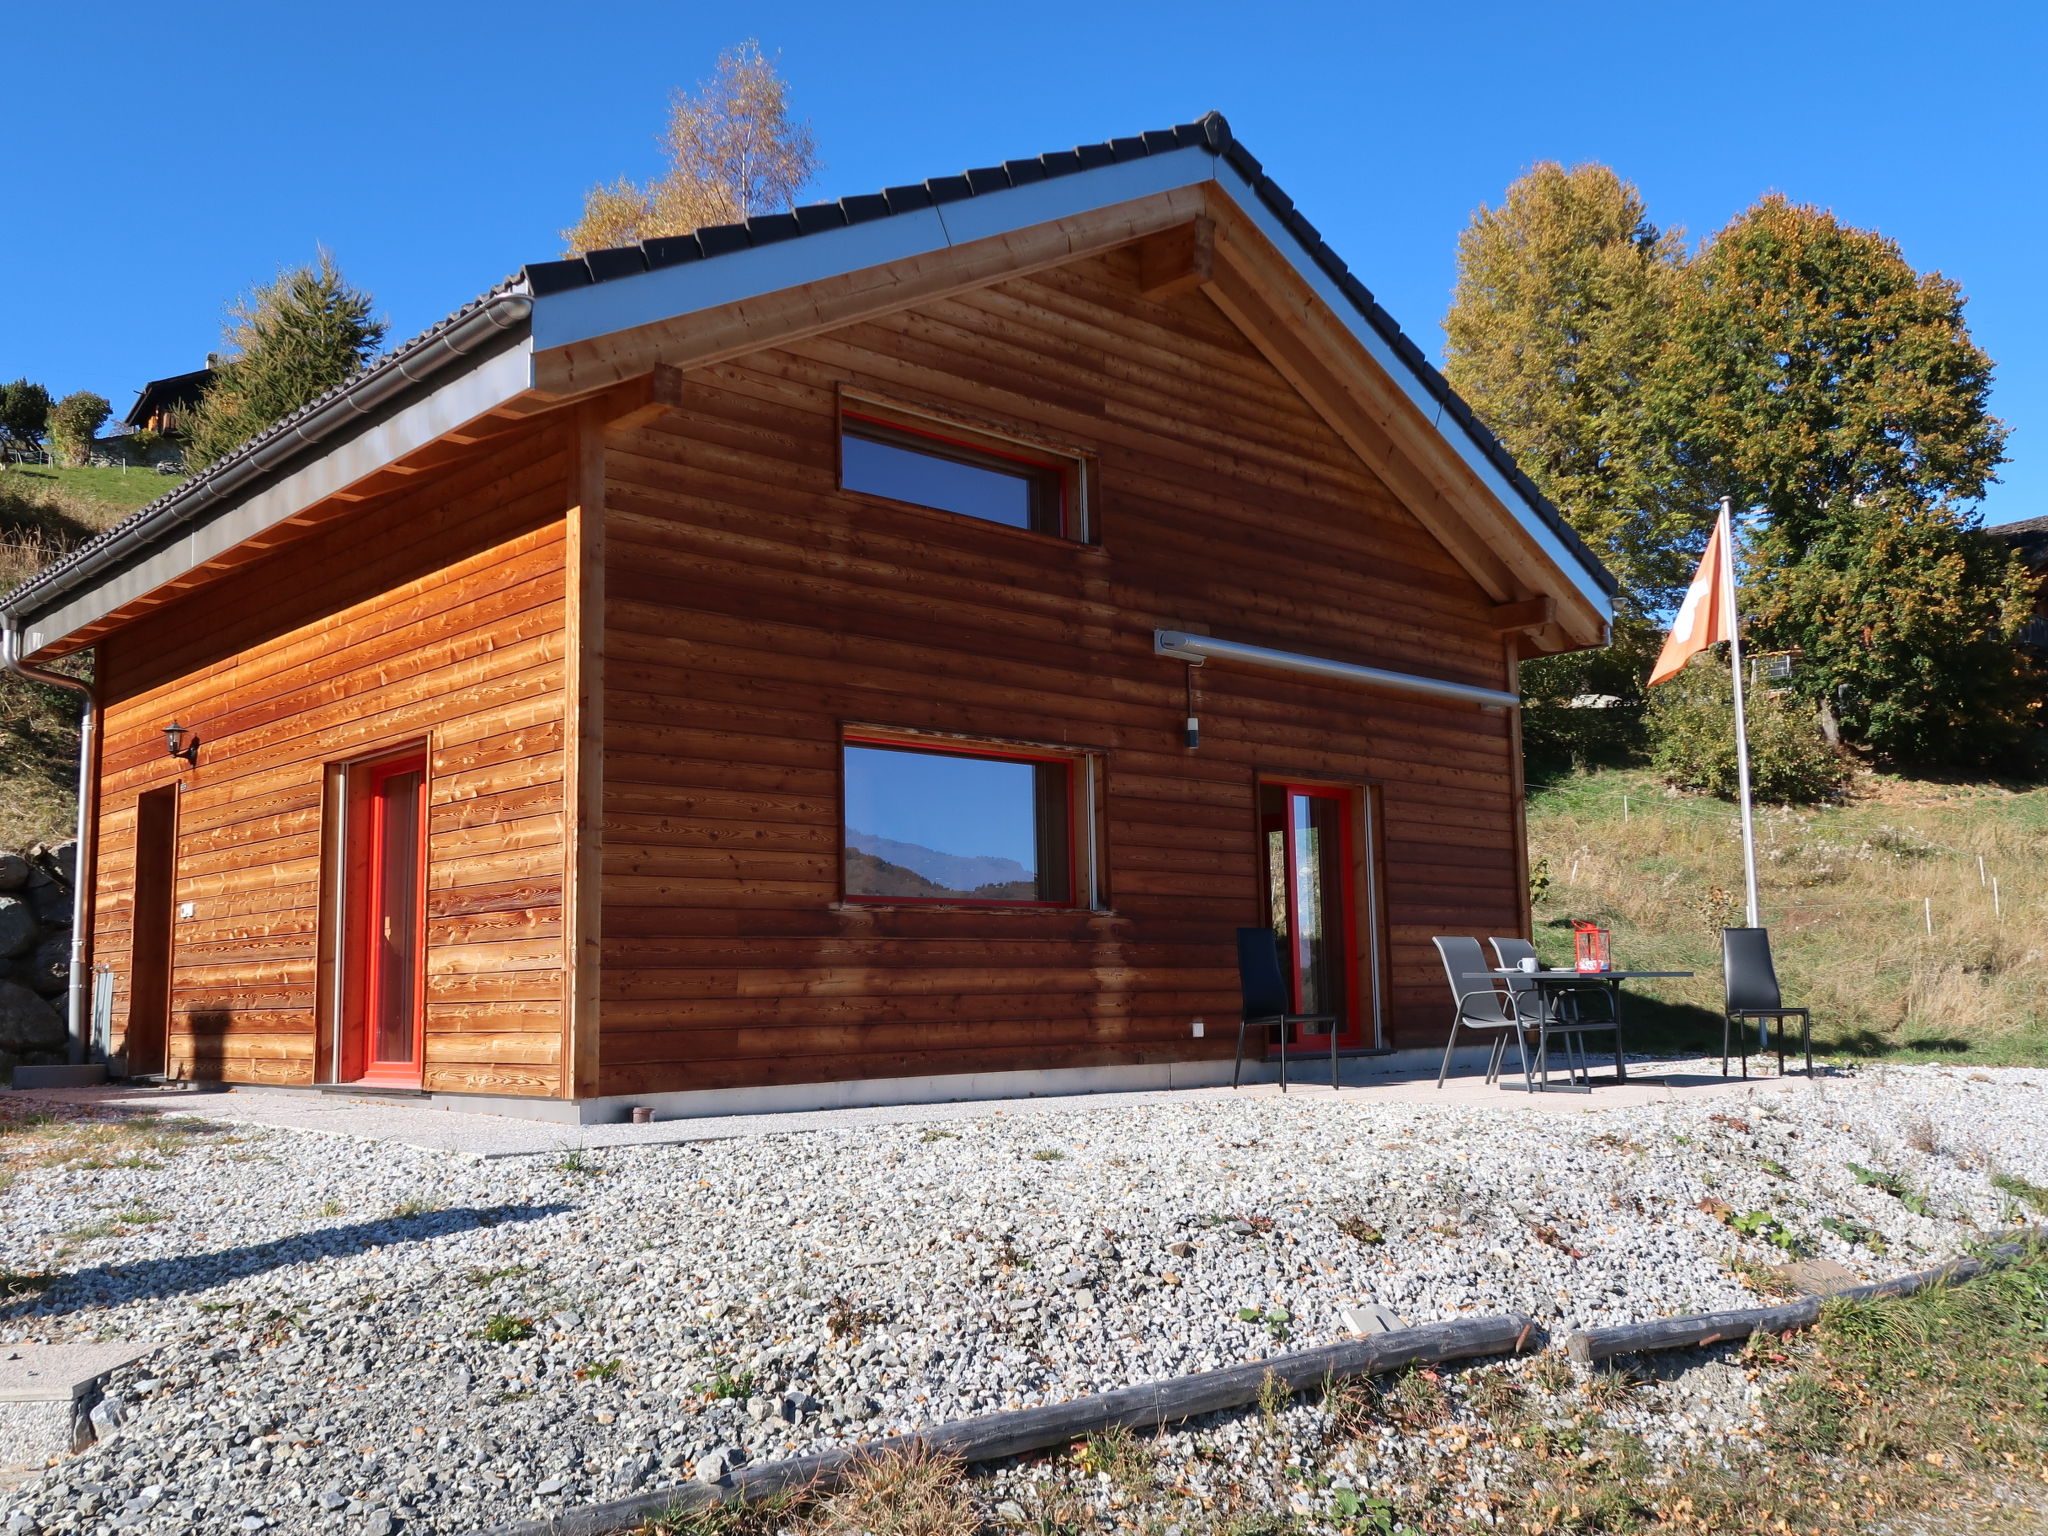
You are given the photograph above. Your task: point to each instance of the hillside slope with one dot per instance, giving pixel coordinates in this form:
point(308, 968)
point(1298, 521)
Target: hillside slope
point(1913, 919)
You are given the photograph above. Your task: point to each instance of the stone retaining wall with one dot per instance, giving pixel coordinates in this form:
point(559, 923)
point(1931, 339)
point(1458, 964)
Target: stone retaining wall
point(35, 954)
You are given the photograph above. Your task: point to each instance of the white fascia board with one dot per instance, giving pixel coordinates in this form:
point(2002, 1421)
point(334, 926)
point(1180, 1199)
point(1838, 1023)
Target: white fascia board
point(667, 293)
point(463, 398)
point(1397, 368)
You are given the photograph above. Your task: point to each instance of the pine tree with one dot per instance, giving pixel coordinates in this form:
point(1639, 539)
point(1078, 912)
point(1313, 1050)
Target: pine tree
point(1812, 372)
point(291, 341)
point(1561, 310)
point(732, 150)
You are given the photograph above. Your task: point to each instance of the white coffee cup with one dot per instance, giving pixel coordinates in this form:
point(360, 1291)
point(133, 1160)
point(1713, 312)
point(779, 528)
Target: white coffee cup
point(1530, 964)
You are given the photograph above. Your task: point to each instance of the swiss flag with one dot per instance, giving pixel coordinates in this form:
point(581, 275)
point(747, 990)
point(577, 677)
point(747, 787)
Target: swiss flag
point(1708, 612)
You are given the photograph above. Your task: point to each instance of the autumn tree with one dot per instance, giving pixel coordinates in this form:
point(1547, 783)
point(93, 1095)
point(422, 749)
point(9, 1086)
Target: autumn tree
point(1814, 374)
point(1561, 312)
point(732, 152)
point(288, 342)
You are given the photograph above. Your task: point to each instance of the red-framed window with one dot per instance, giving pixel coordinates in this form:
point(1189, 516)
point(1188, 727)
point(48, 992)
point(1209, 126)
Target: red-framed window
point(952, 824)
point(926, 464)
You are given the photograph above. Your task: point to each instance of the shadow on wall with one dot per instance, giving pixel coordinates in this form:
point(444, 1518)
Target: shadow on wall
point(206, 1041)
point(112, 1285)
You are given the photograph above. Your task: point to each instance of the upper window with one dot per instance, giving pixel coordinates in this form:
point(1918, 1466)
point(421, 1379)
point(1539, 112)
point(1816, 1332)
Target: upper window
point(928, 824)
point(1006, 483)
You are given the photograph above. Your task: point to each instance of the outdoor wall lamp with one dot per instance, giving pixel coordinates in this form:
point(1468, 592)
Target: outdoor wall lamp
point(182, 741)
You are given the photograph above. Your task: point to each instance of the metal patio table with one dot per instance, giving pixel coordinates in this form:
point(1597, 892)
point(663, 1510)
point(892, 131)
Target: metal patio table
point(1554, 982)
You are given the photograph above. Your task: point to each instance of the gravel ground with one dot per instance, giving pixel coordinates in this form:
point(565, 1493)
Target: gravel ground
point(366, 1338)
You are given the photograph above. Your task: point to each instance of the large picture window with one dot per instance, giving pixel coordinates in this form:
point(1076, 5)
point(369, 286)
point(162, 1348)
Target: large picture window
point(932, 824)
point(1002, 483)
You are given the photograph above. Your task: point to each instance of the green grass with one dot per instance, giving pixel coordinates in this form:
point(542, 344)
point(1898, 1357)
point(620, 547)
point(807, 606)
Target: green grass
point(122, 490)
point(1847, 893)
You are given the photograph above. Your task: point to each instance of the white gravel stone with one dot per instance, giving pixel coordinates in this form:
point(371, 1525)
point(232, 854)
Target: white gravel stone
point(326, 1305)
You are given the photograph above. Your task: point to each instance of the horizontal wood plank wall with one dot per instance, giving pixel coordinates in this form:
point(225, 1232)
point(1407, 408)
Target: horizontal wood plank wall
point(435, 615)
point(752, 609)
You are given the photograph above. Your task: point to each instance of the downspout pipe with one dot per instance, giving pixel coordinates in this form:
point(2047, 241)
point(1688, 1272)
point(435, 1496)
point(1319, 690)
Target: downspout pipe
point(77, 1024)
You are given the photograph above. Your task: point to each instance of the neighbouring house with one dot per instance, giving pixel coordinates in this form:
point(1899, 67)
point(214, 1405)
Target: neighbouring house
point(878, 651)
point(2028, 538)
point(163, 404)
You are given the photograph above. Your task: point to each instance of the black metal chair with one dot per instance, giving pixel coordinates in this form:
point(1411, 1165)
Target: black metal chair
point(1478, 1006)
point(1266, 997)
point(1752, 993)
point(1561, 1011)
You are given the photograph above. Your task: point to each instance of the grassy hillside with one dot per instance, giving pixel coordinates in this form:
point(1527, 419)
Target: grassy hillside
point(44, 512)
point(1848, 892)
point(118, 490)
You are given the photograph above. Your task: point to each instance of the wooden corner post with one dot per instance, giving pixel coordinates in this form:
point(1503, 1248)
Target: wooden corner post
point(583, 851)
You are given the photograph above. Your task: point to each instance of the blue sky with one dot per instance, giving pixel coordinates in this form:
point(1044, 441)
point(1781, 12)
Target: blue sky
point(178, 154)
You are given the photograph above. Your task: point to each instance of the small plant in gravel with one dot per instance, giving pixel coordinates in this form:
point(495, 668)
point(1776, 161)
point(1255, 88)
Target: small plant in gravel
point(1126, 1460)
point(331, 1208)
point(599, 1370)
point(503, 1328)
point(478, 1278)
point(1892, 1184)
point(1417, 1400)
point(1550, 1373)
point(2032, 1196)
point(1048, 1155)
point(406, 1209)
point(14, 1286)
point(1275, 1320)
point(932, 1133)
point(578, 1162)
point(1497, 1397)
point(1764, 1227)
point(1774, 1168)
point(1360, 1231)
point(1854, 1233)
point(728, 1386)
point(844, 1319)
point(1760, 1278)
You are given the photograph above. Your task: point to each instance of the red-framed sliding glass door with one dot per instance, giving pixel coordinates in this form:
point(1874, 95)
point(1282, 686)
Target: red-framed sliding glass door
point(1313, 878)
point(383, 1012)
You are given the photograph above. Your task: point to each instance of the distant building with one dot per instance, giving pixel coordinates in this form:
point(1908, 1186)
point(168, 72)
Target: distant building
point(163, 404)
point(2029, 536)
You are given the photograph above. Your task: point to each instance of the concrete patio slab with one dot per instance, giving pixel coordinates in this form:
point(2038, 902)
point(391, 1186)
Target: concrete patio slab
point(436, 1129)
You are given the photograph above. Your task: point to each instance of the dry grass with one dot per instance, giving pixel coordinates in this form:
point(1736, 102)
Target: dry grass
point(39, 1139)
point(1847, 892)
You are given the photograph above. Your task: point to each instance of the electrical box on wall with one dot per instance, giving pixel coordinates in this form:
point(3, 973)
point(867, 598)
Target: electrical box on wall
point(1199, 1026)
point(187, 908)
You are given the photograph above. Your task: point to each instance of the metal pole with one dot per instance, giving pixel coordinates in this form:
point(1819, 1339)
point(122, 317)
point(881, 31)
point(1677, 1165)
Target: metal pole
point(1741, 724)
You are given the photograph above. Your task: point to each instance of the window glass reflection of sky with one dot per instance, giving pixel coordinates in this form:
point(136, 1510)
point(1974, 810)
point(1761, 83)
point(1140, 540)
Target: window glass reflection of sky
point(964, 805)
point(883, 469)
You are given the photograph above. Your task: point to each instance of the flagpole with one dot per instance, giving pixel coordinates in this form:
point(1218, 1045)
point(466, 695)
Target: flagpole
point(1741, 724)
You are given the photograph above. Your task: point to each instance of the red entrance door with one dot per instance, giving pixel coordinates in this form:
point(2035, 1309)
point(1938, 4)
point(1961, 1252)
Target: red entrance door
point(387, 929)
point(1311, 859)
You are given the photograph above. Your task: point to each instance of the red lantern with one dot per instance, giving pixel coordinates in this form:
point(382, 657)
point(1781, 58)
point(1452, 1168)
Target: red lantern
point(1589, 947)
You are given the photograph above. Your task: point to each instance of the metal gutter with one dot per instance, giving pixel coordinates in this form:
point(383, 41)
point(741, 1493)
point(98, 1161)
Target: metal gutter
point(75, 1022)
point(498, 317)
point(1197, 648)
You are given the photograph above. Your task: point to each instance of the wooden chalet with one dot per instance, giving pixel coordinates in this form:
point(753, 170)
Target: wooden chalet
point(880, 651)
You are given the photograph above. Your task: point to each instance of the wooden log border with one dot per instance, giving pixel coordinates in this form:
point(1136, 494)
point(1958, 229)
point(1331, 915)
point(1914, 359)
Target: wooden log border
point(995, 1435)
point(1589, 1346)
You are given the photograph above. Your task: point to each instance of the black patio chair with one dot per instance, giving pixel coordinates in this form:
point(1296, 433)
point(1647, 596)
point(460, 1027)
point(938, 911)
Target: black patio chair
point(1266, 998)
point(1478, 1005)
point(1566, 1011)
point(1752, 993)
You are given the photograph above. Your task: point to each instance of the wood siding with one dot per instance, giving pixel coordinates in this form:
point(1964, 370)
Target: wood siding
point(753, 610)
point(436, 614)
